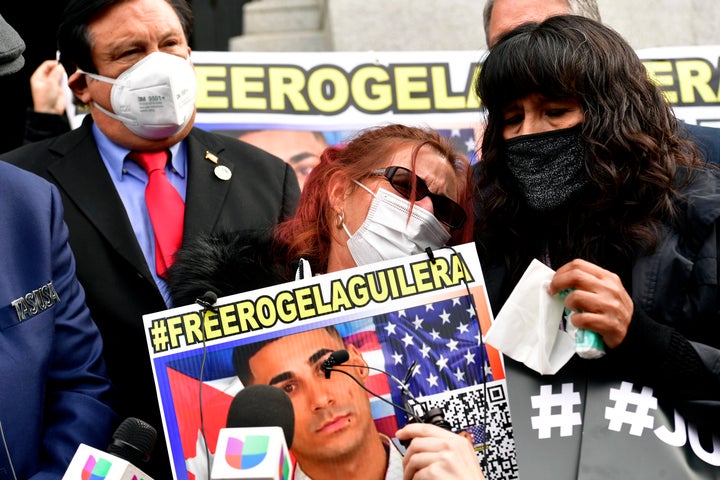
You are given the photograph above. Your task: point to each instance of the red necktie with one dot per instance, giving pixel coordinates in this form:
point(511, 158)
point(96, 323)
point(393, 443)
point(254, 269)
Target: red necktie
point(165, 206)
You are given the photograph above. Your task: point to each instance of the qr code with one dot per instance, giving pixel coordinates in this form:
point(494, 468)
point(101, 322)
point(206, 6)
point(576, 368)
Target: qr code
point(483, 412)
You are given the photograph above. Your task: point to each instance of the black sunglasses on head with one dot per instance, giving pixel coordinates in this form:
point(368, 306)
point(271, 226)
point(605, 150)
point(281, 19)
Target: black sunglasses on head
point(445, 210)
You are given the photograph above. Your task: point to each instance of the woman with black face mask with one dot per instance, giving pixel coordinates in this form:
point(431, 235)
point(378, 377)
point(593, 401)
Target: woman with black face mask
point(583, 170)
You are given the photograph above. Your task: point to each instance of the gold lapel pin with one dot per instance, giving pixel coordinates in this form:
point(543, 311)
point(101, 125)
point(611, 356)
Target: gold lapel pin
point(211, 156)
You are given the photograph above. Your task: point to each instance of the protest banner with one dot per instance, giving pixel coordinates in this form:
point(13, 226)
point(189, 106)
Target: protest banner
point(427, 309)
point(338, 93)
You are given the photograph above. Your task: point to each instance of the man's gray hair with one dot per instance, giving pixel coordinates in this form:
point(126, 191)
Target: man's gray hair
point(584, 8)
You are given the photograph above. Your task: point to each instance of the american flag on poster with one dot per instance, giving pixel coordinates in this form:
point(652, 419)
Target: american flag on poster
point(362, 334)
point(478, 436)
point(443, 337)
point(463, 140)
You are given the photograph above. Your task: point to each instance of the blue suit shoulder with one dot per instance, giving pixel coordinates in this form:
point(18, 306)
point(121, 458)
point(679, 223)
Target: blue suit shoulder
point(29, 203)
point(18, 182)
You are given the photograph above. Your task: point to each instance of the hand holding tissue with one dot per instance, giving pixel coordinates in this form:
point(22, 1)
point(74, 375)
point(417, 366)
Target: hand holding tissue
point(530, 329)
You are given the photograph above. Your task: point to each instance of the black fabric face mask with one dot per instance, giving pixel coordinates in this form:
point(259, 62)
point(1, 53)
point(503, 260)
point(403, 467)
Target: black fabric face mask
point(549, 167)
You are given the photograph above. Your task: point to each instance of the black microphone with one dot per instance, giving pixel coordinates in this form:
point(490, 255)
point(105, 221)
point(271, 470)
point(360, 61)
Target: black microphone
point(130, 447)
point(337, 357)
point(263, 406)
point(133, 441)
point(208, 300)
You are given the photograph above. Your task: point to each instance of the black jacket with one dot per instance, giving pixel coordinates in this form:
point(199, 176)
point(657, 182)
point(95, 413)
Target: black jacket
point(673, 341)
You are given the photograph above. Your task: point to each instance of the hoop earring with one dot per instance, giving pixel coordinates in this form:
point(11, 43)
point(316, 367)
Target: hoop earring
point(340, 219)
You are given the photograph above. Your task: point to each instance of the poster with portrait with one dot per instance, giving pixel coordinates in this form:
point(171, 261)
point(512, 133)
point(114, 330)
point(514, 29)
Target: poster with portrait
point(420, 317)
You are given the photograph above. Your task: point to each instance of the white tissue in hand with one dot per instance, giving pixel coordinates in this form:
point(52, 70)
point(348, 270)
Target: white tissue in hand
point(527, 328)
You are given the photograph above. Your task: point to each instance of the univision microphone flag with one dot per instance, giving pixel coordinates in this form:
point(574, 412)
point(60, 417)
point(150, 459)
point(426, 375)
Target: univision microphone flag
point(251, 453)
point(89, 463)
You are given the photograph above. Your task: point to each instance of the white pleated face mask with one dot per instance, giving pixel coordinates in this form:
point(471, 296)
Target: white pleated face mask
point(155, 98)
point(394, 228)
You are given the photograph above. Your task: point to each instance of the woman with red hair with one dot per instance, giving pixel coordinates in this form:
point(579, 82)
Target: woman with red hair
point(390, 191)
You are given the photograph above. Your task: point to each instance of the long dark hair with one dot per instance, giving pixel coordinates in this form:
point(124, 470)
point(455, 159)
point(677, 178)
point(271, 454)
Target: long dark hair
point(631, 135)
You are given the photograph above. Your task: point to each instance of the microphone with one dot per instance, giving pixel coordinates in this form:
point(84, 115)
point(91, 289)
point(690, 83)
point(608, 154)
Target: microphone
point(410, 406)
point(131, 444)
point(338, 357)
point(256, 441)
point(262, 406)
point(208, 300)
point(133, 441)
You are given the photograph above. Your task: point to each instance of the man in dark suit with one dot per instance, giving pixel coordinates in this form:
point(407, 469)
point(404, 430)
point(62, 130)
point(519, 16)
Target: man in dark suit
point(129, 61)
point(55, 389)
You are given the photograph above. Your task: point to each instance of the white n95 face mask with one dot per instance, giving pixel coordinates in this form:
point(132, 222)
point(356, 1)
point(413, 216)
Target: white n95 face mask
point(155, 98)
point(394, 228)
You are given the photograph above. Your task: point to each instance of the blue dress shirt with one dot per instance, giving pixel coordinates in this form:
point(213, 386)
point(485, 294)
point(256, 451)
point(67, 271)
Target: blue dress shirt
point(130, 181)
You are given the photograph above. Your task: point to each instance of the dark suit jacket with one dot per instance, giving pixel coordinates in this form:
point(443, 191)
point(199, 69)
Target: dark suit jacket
point(54, 384)
point(706, 139)
point(110, 264)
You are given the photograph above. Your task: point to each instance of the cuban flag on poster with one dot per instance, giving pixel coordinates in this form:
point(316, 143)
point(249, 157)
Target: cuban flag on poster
point(219, 387)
